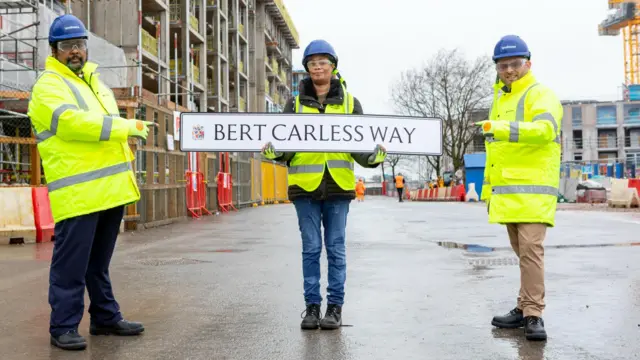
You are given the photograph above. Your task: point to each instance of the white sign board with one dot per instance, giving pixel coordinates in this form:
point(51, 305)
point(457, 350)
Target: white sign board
point(310, 133)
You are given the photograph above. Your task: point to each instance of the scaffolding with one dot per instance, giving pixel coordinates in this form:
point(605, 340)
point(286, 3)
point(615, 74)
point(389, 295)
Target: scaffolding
point(19, 163)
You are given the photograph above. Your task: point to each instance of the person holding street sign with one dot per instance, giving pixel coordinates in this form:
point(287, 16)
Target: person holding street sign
point(322, 185)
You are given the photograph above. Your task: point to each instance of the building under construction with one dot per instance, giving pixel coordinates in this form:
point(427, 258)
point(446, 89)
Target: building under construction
point(159, 57)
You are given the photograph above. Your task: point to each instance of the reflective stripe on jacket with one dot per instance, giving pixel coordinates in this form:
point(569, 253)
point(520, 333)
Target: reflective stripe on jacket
point(307, 169)
point(523, 157)
point(82, 141)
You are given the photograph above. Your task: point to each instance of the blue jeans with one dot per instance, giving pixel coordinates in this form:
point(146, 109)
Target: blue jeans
point(332, 214)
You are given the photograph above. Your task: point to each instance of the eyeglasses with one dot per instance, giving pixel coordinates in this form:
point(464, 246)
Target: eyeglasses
point(68, 45)
point(515, 65)
point(318, 63)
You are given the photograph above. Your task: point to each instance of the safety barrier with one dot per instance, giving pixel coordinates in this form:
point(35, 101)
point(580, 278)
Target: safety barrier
point(281, 184)
point(17, 223)
point(43, 218)
point(196, 195)
point(273, 183)
point(623, 194)
point(451, 193)
point(472, 195)
point(225, 192)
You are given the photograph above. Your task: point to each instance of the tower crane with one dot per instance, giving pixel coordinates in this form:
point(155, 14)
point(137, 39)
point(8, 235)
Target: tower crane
point(624, 15)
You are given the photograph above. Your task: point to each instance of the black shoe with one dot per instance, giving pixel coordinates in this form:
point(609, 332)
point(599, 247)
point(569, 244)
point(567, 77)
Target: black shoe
point(122, 328)
point(311, 321)
point(512, 320)
point(534, 328)
point(332, 318)
point(70, 340)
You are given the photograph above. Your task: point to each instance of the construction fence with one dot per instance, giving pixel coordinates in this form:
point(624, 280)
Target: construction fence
point(159, 165)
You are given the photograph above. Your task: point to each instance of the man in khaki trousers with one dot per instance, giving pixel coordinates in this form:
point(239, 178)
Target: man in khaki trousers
point(522, 174)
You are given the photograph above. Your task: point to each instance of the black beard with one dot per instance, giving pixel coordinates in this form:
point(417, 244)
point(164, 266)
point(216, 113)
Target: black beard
point(73, 66)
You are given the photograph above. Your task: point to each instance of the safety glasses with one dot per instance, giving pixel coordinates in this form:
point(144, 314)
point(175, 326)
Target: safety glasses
point(318, 63)
point(73, 44)
point(514, 64)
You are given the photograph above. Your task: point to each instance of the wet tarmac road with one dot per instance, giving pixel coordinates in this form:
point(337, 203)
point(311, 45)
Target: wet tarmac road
point(230, 287)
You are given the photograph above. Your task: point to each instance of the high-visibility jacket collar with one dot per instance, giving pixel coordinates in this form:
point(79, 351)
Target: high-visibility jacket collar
point(519, 85)
point(53, 64)
point(308, 97)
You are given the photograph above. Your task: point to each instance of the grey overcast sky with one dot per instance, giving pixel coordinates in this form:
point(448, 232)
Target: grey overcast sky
point(376, 40)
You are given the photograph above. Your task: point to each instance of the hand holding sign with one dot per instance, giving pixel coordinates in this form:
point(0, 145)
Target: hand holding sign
point(269, 151)
point(378, 156)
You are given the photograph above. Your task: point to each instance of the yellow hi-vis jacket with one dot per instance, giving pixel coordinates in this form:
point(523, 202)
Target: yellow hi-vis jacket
point(82, 141)
point(522, 171)
point(307, 169)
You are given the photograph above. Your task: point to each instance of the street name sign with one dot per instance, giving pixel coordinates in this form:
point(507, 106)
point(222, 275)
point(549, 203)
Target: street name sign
point(213, 132)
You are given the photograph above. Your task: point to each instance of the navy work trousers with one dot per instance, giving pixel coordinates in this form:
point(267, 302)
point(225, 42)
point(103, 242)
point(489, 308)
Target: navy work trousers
point(81, 256)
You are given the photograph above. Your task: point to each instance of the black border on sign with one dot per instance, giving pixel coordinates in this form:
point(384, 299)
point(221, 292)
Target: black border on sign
point(415, 118)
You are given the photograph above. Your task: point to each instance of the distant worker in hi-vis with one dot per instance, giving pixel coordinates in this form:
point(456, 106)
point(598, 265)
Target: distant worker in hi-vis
point(87, 164)
point(322, 185)
point(522, 174)
point(360, 190)
point(400, 183)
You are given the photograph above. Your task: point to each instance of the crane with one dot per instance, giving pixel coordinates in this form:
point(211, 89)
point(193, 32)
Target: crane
point(624, 15)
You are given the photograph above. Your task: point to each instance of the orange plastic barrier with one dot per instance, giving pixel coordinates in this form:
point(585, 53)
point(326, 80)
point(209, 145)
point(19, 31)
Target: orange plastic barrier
point(196, 198)
point(42, 214)
point(225, 192)
point(634, 183)
point(462, 193)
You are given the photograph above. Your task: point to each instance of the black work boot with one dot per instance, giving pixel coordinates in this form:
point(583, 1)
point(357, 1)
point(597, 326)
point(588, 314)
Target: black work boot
point(70, 340)
point(534, 328)
point(332, 318)
point(311, 321)
point(122, 328)
point(512, 320)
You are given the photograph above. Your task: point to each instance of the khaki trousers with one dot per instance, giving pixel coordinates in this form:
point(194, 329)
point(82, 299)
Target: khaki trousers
point(526, 241)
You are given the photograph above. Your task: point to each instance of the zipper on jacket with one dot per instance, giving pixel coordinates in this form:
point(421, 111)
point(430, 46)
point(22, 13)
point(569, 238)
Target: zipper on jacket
point(93, 92)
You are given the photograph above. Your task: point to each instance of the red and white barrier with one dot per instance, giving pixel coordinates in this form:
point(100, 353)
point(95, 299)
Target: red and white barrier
point(452, 193)
point(26, 215)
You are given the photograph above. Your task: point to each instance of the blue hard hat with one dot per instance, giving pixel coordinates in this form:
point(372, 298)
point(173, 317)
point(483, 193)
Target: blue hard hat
point(317, 47)
point(511, 46)
point(66, 27)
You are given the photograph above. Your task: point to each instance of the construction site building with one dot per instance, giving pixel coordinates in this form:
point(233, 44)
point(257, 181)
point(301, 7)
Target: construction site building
point(605, 132)
point(159, 58)
point(230, 55)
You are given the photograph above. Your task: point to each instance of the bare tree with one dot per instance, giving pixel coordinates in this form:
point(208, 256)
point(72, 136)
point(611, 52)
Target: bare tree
point(449, 87)
point(393, 161)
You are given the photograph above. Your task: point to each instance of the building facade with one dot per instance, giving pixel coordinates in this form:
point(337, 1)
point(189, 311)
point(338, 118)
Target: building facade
point(298, 75)
point(204, 55)
point(601, 132)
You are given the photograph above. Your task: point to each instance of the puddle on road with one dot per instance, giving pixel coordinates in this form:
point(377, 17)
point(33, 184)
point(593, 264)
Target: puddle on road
point(469, 247)
point(482, 248)
point(171, 261)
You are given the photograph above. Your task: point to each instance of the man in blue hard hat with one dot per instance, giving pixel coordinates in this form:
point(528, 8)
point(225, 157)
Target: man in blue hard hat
point(82, 141)
point(521, 174)
point(322, 185)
